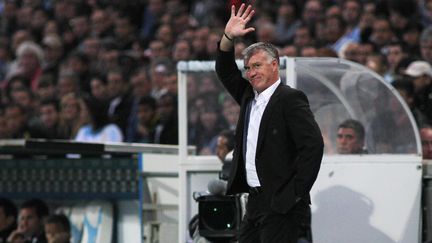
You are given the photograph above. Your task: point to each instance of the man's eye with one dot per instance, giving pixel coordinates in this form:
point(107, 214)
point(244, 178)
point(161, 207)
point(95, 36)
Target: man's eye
point(257, 65)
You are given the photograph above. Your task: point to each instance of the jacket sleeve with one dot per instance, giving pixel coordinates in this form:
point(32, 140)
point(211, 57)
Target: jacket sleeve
point(230, 75)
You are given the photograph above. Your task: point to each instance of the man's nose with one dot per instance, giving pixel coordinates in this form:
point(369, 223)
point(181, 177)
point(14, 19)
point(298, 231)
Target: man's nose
point(251, 72)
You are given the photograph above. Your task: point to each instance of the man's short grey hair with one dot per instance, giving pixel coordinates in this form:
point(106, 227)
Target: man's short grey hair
point(426, 35)
point(268, 48)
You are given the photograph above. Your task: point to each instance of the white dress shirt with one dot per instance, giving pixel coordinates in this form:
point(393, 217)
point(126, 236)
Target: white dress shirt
point(259, 104)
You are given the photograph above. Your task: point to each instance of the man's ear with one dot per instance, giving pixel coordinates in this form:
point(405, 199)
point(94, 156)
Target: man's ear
point(275, 64)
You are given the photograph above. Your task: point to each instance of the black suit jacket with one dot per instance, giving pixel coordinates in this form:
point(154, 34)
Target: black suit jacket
point(290, 145)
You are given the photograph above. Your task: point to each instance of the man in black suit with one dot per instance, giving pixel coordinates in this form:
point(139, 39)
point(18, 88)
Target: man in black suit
point(279, 146)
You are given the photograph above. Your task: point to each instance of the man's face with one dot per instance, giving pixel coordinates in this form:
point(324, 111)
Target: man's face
point(141, 86)
point(52, 231)
point(22, 97)
point(421, 82)
point(347, 141)
point(426, 50)
point(381, 32)
point(351, 12)
point(165, 108)
point(302, 37)
point(49, 115)
point(29, 223)
point(145, 114)
point(261, 71)
point(426, 139)
point(28, 63)
point(15, 119)
point(98, 88)
point(221, 147)
point(394, 55)
point(116, 85)
point(5, 221)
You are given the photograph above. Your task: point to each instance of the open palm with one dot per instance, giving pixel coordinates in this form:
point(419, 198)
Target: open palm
point(236, 25)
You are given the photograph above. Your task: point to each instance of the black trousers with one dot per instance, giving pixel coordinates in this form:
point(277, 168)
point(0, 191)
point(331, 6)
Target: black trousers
point(261, 224)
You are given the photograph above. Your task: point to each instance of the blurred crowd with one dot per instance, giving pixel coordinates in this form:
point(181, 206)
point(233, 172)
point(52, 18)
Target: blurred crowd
point(105, 70)
point(32, 222)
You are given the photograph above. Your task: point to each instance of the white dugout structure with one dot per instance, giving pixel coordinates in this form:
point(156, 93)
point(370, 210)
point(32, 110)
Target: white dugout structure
point(373, 197)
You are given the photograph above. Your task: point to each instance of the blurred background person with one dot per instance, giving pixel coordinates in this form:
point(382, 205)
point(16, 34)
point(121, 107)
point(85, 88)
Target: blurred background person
point(120, 103)
point(73, 115)
point(8, 218)
point(426, 140)
point(350, 137)
point(30, 229)
point(166, 131)
point(57, 229)
point(99, 129)
point(421, 76)
point(147, 120)
point(49, 113)
point(406, 89)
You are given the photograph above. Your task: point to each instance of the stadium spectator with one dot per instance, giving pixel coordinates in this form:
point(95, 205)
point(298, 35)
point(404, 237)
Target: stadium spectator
point(182, 51)
point(406, 89)
point(98, 87)
point(73, 115)
point(68, 82)
point(57, 229)
point(394, 52)
point(426, 140)
point(350, 137)
point(421, 74)
point(30, 229)
point(426, 44)
point(166, 131)
point(382, 33)
point(120, 104)
point(99, 129)
point(17, 121)
point(147, 120)
point(8, 218)
point(28, 63)
point(46, 88)
point(49, 119)
point(225, 144)
point(286, 22)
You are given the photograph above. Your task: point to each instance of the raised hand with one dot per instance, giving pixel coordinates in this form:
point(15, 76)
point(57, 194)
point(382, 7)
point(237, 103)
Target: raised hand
point(236, 25)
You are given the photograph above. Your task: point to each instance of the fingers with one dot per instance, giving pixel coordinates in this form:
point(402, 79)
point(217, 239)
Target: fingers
point(251, 29)
point(250, 15)
point(240, 11)
point(247, 12)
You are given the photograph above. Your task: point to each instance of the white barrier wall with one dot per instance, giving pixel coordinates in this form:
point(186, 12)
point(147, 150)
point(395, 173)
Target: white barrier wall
point(356, 199)
point(359, 199)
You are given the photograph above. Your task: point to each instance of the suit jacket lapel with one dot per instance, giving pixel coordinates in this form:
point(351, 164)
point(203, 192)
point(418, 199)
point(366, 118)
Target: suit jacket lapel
point(266, 117)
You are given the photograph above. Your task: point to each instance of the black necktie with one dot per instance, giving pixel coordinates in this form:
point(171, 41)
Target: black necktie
point(246, 125)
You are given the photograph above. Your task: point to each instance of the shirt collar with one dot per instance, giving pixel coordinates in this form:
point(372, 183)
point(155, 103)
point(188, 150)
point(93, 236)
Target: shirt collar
point(267, 93)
